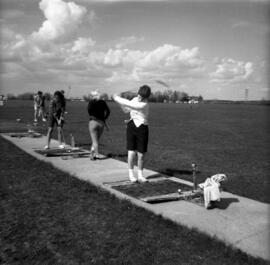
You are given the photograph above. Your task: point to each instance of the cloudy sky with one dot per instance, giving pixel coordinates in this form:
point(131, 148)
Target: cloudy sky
point(215, 49)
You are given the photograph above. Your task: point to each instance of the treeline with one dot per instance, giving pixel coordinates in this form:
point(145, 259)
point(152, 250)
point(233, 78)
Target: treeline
point(157, 96)
point(166, 96)
point(103, 96)
point(28, 96)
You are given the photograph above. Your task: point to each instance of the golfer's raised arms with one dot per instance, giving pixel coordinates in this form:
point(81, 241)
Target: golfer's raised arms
point(137, 105)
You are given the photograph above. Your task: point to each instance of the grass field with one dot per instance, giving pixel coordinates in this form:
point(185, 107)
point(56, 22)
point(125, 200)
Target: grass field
point(221, 138)
point(50, 217)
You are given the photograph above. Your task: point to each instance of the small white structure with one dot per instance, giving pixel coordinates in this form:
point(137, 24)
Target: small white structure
point(193, 101)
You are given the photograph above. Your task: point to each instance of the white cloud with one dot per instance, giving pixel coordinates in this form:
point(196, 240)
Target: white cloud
point(169, 56)
point(241, 24)
point(231, 71)
point(165, 61)
point(123, 42)
point(62, 20)
point(83, 45)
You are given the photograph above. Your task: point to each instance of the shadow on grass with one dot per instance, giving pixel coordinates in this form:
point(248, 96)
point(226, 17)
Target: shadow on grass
point(174, 171)
point(83, 144)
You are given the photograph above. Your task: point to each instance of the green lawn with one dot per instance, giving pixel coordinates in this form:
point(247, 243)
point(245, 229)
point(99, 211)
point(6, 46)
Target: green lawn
point(50, 217)
point(222, 138)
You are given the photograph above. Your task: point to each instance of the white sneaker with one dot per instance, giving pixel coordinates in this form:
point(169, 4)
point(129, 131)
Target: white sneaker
point(35, 120)
point(132, 179)
point(46, 147)
point(61, 146)
point(44, 119)
point(142, 179)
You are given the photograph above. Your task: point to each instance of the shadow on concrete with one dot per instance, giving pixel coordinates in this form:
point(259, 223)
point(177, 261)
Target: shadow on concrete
point(175, 171)
point(154, 176)
point(102, 158)
point(226, 202)
point(112, 155)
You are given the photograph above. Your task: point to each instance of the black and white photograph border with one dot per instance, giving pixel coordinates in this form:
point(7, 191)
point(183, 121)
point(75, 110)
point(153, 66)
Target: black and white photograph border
point(134, 132)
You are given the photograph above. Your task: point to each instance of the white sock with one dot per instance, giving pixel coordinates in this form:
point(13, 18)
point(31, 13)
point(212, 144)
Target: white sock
point(130, 173)
point(140, 173)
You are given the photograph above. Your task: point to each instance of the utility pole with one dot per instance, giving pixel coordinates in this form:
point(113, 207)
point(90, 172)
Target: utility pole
point(246, 94)
point(69, 91)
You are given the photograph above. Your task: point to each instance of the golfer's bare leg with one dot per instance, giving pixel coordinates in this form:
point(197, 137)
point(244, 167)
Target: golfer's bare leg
point(94, 136)
point(131, 159)
point(49, 135)
point(99, 133)
point(59, 133)
point(35, 114)
point(141, 158)
point(42, 113)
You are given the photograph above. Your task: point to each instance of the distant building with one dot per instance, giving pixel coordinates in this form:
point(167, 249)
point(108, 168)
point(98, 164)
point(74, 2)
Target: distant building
point(193, 101)
point(2, 98)
point(77, 99)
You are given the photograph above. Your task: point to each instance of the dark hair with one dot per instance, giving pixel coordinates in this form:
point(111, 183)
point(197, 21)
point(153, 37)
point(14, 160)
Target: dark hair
point(144, 91)
point(57, 93)
point(60, 96)
point(39, 93)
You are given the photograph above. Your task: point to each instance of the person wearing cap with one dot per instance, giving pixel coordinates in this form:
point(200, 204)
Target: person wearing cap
point(56, 112)
point(137, 130)
point(99, 112)
point(39, 106)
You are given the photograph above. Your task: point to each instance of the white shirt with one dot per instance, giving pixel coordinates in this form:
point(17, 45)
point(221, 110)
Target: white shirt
point(37, 101)
point(139, 110)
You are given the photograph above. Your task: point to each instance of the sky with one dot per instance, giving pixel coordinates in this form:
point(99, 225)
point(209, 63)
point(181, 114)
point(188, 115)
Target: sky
point(217, 49)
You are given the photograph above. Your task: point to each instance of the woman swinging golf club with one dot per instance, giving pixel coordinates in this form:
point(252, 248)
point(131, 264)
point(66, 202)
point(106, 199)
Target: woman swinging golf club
point(56, 116)
point(137, 129)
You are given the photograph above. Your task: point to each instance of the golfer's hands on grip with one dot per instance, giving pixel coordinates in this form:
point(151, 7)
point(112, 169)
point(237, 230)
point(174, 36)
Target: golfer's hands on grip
point(59, 121)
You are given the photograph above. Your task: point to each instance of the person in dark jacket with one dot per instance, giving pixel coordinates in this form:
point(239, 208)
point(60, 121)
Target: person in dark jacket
point(56, 117)
point(98, 112)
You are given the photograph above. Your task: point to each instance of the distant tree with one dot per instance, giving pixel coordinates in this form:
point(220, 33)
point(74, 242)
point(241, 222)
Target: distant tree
point(86, 98)
point(26, 96)
point(152, 98)
point(104, 96)
point(167, 95)
point(174, 96)
point(184, 97)
point(11, 96)
point(128, 95)
point(200, 98)
point(158, 96)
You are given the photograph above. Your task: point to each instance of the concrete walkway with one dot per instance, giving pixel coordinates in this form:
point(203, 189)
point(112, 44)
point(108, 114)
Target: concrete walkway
point(244, 223)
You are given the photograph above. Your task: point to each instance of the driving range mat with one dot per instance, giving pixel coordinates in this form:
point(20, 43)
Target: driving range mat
point(30, 134)
point(62, 152)
point(161, 191)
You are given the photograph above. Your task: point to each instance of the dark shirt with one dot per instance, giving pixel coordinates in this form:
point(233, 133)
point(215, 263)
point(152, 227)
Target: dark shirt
point(56, 109)
point(98, 109)
point(42, 104)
